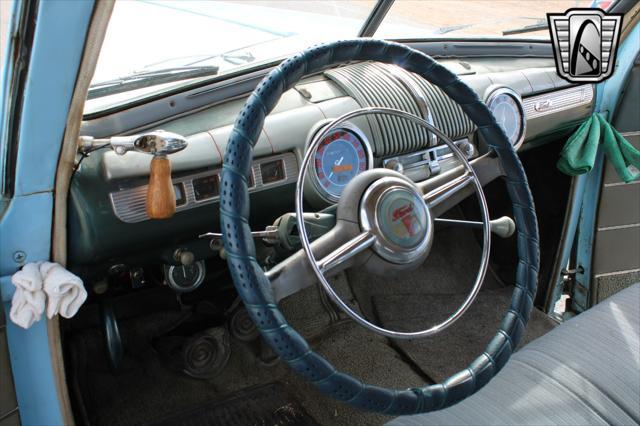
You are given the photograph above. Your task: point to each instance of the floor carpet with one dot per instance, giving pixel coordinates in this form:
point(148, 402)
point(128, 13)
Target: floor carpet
point(454, 348)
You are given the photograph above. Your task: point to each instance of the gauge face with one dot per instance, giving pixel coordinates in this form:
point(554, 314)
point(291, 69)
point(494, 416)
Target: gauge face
point(507, 111)
point(185, 277)
point(341, 155)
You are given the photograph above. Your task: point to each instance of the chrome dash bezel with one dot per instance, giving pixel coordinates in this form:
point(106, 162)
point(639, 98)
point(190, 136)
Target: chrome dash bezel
point(493, 92)
point(348, 126)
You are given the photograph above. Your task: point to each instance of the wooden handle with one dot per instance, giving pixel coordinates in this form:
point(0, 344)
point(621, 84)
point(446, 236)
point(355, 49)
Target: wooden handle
point(161, 197)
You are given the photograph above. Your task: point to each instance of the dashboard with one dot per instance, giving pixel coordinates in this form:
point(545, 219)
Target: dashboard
point(107, 218)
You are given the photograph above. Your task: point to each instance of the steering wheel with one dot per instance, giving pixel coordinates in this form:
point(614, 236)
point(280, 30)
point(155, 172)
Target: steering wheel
point(364, 234)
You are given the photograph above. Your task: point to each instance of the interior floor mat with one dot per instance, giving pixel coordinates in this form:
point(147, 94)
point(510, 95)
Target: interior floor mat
point(147, 389)
point(454, 348)
point(263, 405)
point(451, 268)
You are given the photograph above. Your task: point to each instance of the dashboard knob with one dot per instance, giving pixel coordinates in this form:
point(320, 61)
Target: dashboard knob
point(185, 257)
point(467, 149)
point(395, 165)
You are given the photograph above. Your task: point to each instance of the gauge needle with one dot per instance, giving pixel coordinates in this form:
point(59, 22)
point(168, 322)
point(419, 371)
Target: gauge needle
point(336, 163)
point(184, 271)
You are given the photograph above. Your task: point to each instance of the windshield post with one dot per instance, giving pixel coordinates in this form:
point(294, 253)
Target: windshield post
point(375, 18)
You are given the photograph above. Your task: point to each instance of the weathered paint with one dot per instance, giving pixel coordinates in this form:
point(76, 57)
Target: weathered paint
point(59, 39)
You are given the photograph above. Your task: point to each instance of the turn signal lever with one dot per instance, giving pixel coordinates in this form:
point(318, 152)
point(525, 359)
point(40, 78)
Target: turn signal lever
point(161, 197)
point(284, 231)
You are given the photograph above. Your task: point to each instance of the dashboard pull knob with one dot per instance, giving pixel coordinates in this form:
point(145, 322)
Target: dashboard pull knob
point(467, 149)
point(185, 257)
point(161, 196)
point(395, 165)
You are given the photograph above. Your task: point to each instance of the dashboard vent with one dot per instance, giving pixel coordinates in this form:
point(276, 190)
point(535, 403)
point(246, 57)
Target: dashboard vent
point(374, 84)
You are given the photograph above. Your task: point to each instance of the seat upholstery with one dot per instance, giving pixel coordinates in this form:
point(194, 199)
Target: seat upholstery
point(585, 371)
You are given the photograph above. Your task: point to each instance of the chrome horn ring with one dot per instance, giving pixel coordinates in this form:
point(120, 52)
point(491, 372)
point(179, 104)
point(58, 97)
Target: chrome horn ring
point(431, 198)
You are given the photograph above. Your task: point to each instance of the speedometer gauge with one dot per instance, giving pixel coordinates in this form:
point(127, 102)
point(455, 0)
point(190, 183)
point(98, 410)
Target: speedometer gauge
point(341, 155)
point(506, 107)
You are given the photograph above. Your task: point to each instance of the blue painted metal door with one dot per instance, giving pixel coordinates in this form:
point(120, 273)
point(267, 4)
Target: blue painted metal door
point(38, 80)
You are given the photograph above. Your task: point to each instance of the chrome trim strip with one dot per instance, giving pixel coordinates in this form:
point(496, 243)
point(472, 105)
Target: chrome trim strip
point(617, 227)
point(8, 414)
point(609, 274)
point(612, 184)
point(129, 204)
point(425, 156)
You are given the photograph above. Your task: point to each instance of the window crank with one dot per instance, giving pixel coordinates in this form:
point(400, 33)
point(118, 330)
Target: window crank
point(161, 197)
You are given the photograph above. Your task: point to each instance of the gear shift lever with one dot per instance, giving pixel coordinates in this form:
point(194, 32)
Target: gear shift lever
point(161, 197)
point(503, 227)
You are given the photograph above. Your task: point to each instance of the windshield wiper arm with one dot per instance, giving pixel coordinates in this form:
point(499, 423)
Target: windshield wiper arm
point(452, 28)
point(149, 78)
point(538, 26)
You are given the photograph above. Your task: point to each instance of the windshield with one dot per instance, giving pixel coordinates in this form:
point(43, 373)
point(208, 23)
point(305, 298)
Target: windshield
point(145, 37)
point(475, 18)
point(152, 46)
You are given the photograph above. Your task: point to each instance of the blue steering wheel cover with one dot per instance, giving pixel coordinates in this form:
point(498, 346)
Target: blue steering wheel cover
point(254, 288)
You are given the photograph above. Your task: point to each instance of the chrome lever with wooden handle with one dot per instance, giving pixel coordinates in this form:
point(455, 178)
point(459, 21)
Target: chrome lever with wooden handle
point(161, 197)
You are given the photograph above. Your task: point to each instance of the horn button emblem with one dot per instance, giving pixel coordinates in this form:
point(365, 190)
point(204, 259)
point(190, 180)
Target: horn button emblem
point(394, 211)
point(402, 218)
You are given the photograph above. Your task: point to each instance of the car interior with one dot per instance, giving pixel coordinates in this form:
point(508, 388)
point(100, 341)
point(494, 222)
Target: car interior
point(336, 236)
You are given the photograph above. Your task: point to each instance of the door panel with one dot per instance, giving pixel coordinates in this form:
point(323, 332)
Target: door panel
point(616, 256)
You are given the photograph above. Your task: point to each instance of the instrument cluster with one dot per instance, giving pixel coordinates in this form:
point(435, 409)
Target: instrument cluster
point(345, 152)
point(341, 155)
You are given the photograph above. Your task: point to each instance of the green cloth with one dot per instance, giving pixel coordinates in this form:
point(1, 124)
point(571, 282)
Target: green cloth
point(579, 153)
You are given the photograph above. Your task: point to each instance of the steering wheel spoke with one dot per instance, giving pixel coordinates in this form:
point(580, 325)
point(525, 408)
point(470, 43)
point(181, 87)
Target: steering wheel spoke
point(337, 250)
point(345, 252)
point(436, 196)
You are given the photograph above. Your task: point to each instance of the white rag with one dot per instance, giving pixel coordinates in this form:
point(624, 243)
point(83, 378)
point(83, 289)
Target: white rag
point(65, 291)
point(28, 300)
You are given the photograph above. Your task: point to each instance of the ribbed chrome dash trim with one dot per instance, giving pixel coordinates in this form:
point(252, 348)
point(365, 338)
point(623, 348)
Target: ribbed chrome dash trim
point(556, 101)
point(373, 85)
